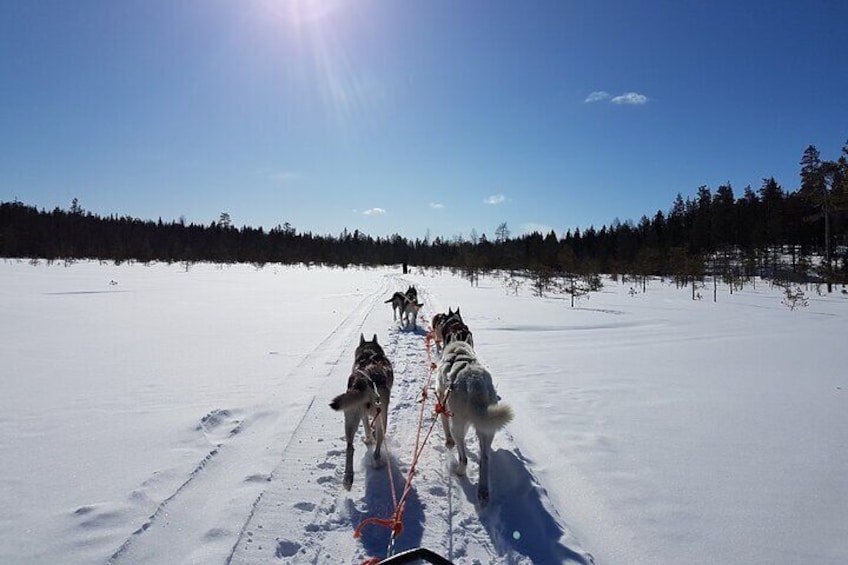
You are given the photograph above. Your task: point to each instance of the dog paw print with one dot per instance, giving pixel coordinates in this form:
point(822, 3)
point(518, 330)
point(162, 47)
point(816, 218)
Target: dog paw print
point(286, 548)
point(305, 506)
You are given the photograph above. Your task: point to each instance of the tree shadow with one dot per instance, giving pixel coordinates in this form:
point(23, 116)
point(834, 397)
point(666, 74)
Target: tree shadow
point(379, 503)
point(516, 519)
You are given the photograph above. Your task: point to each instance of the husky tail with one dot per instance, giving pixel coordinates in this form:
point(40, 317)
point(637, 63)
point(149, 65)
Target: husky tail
point(348, 399)
point(495, 417)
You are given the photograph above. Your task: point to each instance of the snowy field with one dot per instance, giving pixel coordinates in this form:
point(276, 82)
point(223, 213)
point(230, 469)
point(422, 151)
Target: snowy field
point(151, 414)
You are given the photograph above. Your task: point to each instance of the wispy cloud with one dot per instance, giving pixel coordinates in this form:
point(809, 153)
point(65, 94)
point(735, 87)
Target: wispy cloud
point(436, 205)
point(597, 96)
point(628, 98)
point(495, 199)
point(631, 98)
point(375, 212)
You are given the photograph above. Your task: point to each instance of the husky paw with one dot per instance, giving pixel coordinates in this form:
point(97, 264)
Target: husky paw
point(483, 497)
point(348, 481)
point(450, 443)
point(379, 462)
point(458, 469)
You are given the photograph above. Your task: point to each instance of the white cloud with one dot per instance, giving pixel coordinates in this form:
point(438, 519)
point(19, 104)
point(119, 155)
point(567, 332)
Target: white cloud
point(436, 205)
point(495, 199)
point(375, 212)
point(597, 96)
point(631, 98)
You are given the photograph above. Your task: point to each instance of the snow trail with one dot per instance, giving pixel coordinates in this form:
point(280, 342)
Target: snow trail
point(305, 516)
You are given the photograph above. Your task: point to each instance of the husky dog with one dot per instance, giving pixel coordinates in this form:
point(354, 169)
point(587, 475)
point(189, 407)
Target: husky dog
point(465, 387)
point(454, 329)
point(405, 306)
point(368, 391)
point(436, 329)
point(398, 300)
point(439, 322)
point(410, 312)
point(412, 293)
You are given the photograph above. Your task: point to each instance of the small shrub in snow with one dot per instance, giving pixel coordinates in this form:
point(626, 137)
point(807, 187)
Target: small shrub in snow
point(794, 297)
point(512, 285)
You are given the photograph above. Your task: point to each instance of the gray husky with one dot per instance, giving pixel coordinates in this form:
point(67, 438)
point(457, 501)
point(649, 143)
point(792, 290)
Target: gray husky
point(368, 392)
point(471, 399)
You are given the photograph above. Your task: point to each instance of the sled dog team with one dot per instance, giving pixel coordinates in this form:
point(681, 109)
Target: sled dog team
point(464, 387)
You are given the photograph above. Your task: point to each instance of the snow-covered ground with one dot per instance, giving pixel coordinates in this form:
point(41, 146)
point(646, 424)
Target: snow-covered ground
point(154, 415)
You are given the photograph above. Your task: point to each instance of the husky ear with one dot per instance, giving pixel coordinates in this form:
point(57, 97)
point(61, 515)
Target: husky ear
point(450, 312)
point(361, 339)
point(374, 338)
point(457, 312)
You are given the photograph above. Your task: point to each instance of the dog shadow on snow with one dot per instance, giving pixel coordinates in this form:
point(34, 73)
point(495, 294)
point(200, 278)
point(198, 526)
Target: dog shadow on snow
point(417, 330)
point(378, 503)
point(516, 518)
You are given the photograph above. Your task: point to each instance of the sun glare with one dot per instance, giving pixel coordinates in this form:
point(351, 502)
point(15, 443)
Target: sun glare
point(304, 11)
point(319, 38)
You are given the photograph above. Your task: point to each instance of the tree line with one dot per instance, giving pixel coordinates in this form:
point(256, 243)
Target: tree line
point(761, 231)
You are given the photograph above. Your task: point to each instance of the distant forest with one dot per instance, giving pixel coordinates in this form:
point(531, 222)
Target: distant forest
point(800, 234)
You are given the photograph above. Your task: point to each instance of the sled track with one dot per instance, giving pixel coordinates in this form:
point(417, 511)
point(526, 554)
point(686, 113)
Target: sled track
point(207, 477)
point(305, 516)
point(299, 512)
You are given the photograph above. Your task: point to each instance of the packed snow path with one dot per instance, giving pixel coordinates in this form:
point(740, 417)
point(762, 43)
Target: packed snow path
point(305, 516)
point(301, 513)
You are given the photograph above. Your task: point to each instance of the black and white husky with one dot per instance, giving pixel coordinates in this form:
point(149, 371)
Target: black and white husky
point(369, 388)
point(405, 306)
point(412, 293)
point(398, 300)
point(410, 312)
point(450, 327)
point(438, 323)
point(471, 399)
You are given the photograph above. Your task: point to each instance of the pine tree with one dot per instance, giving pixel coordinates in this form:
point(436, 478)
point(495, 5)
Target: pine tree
point(817, 178)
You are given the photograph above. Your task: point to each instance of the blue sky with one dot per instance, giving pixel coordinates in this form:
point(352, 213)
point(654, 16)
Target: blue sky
point(406, 116)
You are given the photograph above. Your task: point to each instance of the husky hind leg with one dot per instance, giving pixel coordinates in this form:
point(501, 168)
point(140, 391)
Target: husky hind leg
point(381, 424)
point(379, 431)
point(485, 441)
point(351, 423)
point(366, 428)
point(459, 428)
point(441, 397)
point(449, 441)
